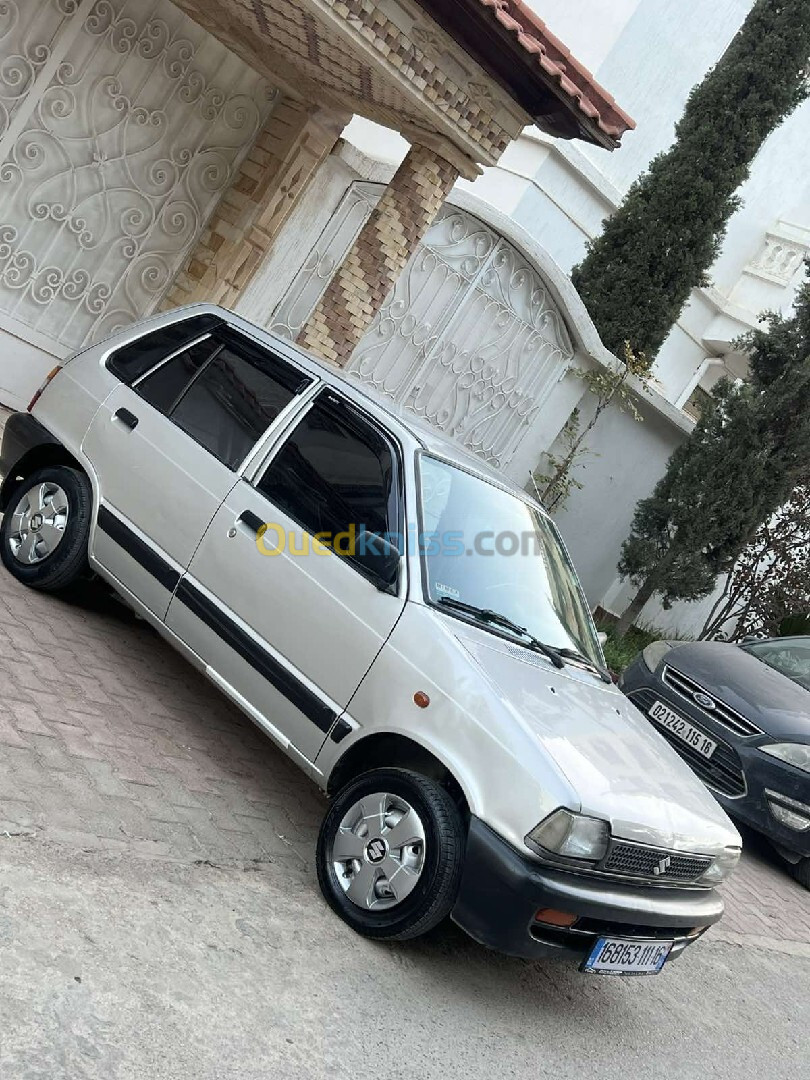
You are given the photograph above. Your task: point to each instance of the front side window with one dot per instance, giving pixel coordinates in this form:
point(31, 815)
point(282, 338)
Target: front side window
point(336, 475)
point(224, 392)
point(488, 548)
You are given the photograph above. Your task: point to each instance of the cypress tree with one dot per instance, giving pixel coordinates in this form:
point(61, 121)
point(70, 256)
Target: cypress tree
point(747, 454)
point(637, 276)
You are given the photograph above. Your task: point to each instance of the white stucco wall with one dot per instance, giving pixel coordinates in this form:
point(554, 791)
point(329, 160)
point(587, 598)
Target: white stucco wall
point(649, 54)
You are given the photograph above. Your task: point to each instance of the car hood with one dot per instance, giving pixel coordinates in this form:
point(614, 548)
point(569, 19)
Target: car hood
point(764, 696)
point(621, 769)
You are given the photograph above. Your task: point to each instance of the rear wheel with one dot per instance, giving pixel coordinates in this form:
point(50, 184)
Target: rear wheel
point(45, 530)
point(390, 854)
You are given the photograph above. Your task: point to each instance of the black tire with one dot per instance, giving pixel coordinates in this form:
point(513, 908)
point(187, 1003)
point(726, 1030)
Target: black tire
point(68, 561)
point(801, 871)
point(435, 891)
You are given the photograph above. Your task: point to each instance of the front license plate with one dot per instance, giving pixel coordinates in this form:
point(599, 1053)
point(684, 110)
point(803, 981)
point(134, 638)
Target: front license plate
point(615, 956)
point(692, 736)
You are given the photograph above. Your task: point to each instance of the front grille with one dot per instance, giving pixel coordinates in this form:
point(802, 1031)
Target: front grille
point(722, 771)
point(655, 864)
point(721, 712)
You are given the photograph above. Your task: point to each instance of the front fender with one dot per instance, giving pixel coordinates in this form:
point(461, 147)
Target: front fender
point(500, 767)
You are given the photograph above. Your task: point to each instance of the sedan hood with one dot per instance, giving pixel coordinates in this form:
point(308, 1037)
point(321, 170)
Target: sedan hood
point(621, 769)
point(764, 696)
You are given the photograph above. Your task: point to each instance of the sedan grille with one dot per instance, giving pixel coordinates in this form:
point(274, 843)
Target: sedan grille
point(654, 864)
point(720, 712)
point(722, 771)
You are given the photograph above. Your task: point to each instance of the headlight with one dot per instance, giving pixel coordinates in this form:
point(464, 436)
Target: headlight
point(655, 653)
point(722, 866)
point(789, 812)
point(793, 753)
point(571, 836)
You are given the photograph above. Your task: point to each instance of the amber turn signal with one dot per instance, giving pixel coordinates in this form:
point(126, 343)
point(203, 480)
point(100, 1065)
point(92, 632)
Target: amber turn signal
point(552, 917)
point(421, 699)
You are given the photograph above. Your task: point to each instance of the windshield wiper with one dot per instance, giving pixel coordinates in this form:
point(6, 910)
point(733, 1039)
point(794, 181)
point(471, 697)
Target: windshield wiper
point(574, 654)
point(496, 619)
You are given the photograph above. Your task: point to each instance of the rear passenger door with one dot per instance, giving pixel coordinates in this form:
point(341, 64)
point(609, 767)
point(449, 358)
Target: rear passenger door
point(167, 444)
point(292, 626)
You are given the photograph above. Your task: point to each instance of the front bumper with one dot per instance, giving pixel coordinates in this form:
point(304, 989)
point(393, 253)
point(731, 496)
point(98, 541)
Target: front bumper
point(501, 892)
point(760, 772)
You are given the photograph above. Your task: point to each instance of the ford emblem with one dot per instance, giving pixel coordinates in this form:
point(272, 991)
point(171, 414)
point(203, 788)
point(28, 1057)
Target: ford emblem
point(705, 701)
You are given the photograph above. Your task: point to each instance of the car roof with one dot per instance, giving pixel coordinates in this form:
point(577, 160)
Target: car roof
point(803, 639)
point(422, 432)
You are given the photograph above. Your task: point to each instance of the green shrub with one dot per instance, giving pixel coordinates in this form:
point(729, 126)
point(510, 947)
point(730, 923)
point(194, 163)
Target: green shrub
point(619, 652)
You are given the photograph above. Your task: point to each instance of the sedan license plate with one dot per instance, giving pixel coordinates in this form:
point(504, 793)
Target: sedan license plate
point(682, 729)
point(614, 956)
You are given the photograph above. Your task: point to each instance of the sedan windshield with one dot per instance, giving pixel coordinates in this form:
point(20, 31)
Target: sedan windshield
point(487, 548)
point(791, 656)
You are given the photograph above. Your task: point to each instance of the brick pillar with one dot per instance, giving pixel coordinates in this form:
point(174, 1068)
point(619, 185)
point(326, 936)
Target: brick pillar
point(374, 262)
point(291, 146)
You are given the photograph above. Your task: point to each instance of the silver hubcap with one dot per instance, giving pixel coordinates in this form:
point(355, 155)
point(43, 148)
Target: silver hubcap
point(379, 851)
point(38, 523)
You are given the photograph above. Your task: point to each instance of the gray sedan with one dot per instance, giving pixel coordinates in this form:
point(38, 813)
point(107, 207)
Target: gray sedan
point(740, 716)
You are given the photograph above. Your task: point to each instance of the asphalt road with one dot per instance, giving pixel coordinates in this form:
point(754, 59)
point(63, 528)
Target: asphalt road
point(116, 967)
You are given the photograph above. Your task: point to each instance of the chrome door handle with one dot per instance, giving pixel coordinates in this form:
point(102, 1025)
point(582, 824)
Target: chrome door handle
point(127, 418)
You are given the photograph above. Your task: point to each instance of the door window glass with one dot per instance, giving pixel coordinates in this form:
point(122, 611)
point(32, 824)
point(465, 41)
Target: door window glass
point(132, 361)
point(235, 399)
point(224, 392)
point(164, 387)
point(336, 475)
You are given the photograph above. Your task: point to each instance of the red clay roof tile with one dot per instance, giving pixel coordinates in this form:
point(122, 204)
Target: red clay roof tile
point(573, 78)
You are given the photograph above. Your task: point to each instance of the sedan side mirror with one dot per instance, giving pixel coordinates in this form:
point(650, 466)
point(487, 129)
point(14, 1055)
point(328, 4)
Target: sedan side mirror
point(602, 638)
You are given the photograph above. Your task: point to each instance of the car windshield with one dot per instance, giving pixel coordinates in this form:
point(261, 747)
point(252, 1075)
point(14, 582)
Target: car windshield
point(486, 547)
point(791, 656)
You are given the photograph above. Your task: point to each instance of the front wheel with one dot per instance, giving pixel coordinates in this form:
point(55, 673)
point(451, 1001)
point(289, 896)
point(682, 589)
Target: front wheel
point(45, 530)
point(390, 854)
point(801, 871)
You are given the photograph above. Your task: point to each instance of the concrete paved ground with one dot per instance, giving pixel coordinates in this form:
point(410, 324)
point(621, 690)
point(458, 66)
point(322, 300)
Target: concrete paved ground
point(123, 968)
point(159, 915)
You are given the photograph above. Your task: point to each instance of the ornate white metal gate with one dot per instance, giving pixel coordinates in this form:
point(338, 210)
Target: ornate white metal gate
point(121, 123)
point(469, 339)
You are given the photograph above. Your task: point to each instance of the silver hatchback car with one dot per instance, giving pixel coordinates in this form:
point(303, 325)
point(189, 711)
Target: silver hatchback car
point(402, 622)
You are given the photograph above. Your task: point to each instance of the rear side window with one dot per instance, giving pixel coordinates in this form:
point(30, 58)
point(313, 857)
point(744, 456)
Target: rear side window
point(336, 473)
point(224, 392)
point(132, 361)
point(164, 386)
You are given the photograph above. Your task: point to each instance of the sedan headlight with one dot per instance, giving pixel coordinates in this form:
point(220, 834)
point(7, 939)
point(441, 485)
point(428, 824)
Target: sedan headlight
point(570, 836)
point(722, 866)
point(655, 653)
point(793, 753)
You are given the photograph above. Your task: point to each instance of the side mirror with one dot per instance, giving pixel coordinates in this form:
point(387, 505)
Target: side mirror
point(381, 558)
point(602, 638)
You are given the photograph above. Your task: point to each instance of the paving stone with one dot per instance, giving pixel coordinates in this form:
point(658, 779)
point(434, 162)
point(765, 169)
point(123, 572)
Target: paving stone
point(111, 742)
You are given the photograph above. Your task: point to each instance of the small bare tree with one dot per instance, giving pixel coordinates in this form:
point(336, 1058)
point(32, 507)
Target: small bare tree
point(771, 580)
point(557, 479)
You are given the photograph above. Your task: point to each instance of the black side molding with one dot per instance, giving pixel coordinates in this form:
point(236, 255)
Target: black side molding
point(140, 551)
point(340, 731)
point(209, 612)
